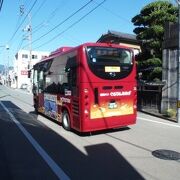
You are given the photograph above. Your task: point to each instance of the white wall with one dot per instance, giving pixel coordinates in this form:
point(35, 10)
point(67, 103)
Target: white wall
point(21, 63)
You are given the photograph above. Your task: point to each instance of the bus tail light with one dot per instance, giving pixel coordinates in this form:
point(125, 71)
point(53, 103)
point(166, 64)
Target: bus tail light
point(86, 90)
point(86, 111)
point(86, 102)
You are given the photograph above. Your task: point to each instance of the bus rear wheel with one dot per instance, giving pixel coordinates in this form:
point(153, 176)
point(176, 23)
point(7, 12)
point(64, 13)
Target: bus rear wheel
point(66, 120)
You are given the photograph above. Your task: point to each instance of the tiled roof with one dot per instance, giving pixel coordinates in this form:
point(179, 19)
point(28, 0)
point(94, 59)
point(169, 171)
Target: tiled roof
point(118, 37)
point(122, 35)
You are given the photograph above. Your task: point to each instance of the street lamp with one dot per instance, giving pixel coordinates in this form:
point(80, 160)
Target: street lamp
point(178, 65)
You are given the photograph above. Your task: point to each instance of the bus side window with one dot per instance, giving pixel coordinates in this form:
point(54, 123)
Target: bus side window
point(71, 69)
point(42, 74)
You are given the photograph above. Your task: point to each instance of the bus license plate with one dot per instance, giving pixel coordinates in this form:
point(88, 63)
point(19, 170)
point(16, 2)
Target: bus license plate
point(112, 105)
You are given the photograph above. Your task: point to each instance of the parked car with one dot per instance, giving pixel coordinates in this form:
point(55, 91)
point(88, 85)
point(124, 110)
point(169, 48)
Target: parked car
point(24, 86)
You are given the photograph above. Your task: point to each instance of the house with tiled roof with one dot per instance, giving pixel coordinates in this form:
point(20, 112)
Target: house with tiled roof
point(122, 39)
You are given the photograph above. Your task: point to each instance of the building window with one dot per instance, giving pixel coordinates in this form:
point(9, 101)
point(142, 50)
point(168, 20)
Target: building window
point(24, 56)
point(34, 56)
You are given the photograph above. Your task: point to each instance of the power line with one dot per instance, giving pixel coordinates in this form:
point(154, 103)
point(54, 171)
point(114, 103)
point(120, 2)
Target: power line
point(21, 9)
point(25, 3)
point(1, 3)
point(28, 27)
point(22, 21)
point(40, 6)
point(50, 17)
point(115, 14)
point(19, 46)
point(76, 22)
point(21, 12)
point(52, 14)
point(62, 22)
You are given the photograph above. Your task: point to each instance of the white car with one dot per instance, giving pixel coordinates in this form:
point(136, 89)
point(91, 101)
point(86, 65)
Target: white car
point(24, 86)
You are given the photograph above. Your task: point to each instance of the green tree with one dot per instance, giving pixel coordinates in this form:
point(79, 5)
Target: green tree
point(150, 31)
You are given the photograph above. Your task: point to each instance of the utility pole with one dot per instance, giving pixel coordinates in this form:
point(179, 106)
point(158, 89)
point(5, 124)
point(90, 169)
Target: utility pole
point(29, 29)
point(178, 66)
point(7, 75)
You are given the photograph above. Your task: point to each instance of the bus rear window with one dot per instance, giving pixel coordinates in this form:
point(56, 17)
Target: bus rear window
point(109, 63)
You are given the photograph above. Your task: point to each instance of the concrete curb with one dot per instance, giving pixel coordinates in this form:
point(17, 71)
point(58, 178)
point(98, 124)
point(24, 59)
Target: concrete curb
point(158, 115)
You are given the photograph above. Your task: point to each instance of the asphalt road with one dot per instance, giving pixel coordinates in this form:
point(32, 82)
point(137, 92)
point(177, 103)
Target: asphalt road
point(34, 147)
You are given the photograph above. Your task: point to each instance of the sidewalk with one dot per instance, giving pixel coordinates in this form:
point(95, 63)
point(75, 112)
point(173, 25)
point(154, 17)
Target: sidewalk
point(23, 91)
point(26, 91)
point(157, 114)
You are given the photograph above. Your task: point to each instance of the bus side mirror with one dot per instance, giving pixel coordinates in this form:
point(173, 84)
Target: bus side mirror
point(29, 74)
point(136, 57)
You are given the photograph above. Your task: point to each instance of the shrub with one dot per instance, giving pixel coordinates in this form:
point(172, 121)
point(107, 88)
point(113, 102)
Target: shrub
point(170, 113)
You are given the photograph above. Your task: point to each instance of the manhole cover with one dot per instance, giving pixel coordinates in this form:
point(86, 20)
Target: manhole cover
point(166, 154)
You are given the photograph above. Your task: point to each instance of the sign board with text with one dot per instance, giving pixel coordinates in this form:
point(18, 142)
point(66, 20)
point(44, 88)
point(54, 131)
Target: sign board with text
point(24, 72)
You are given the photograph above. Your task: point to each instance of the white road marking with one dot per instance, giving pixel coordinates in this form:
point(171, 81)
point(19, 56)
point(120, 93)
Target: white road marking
point(164, 123)
point(54, 167)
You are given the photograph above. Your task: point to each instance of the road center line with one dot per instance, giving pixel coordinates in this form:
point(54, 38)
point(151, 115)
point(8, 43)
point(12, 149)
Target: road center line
point(54, 167)
point(167, 124)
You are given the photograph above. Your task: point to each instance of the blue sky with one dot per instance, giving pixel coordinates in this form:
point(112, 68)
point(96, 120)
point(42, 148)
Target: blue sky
point(47, 14)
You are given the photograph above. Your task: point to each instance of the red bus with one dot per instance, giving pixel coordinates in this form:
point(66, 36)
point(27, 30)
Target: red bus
point(87, 88)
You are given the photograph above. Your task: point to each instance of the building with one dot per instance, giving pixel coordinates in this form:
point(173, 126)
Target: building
point(170, 67)
point(22, 64)
point(122, 39)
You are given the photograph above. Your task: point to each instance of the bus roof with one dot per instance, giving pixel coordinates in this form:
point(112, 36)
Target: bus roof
point(62, 50)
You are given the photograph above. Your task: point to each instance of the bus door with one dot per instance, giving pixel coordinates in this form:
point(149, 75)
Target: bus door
point(72, 76)
point(35, 87)
point(39, 84)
